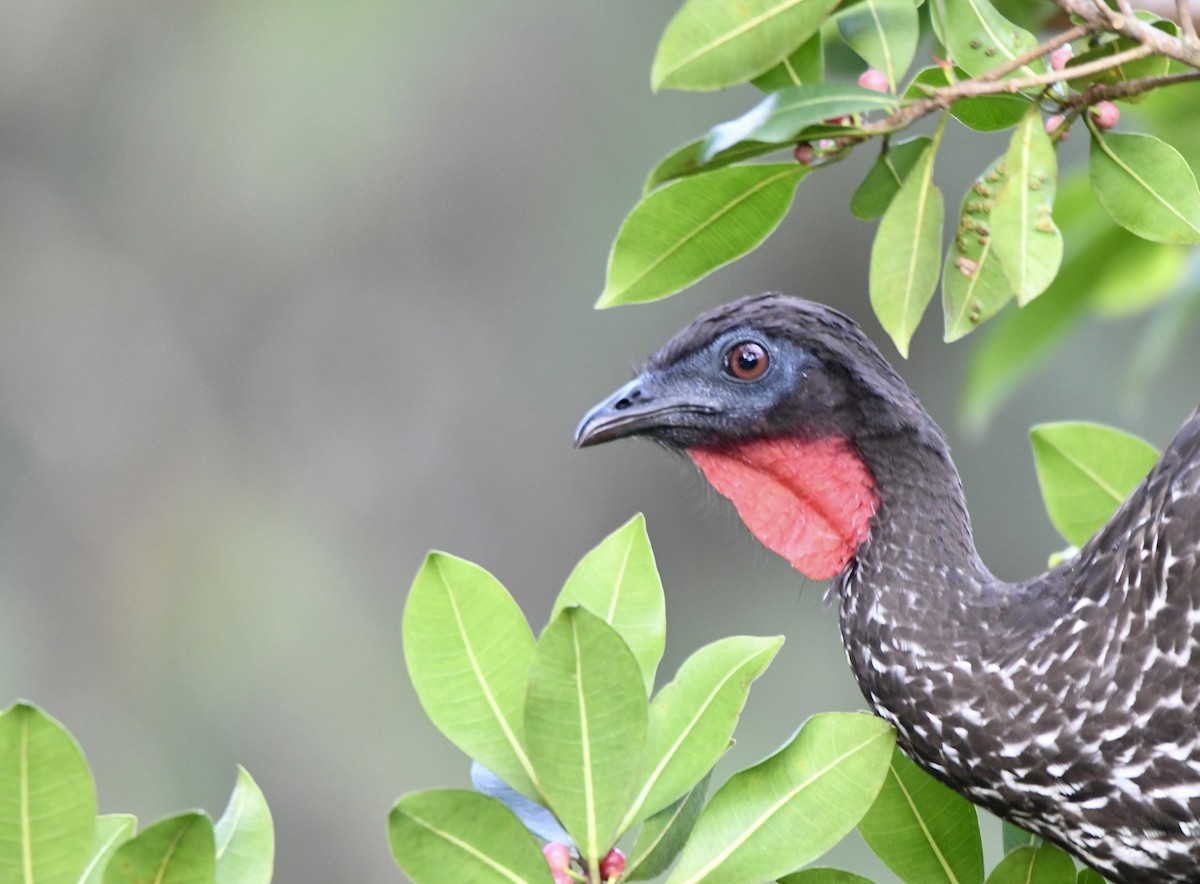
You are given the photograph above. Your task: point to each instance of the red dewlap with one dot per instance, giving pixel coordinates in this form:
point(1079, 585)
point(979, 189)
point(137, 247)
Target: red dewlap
point(811, 501)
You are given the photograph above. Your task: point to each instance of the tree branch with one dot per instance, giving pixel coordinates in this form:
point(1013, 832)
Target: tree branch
point(1101, 17)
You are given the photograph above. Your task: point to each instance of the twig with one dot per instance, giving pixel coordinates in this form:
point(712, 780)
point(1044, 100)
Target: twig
point(1183, 10)
point(1101, 17)
point(1112, 91)
point(1000, 71)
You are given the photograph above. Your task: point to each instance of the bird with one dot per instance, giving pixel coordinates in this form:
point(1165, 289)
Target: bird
point(1069, 703)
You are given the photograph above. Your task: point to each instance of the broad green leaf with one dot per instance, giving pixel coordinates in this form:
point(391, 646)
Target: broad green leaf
point(457, 835)
point(1090, 876)
point(974, 288)
point(986, 113)
point(245, 835)
point(882, 183)
point(1013, 837)
point(979, 38)
point(1086, 471)
point(689, 160)
point(907, 255)
point(1151, 66)
point(585, 724)
point(1146, 186)
point(177, 850)
point(922, 829)
point(711, 44)
point(687, 229)
point(781, 116)
point(1034, 865)
point(1028, 245)
point(47, 799)
point(823, 876)
point(618, 582)
point(663, 835)
point(468, 647)
point(112, 830)
point(805, 65)
point(789, 809)
point(692, 718)
point(884, 34)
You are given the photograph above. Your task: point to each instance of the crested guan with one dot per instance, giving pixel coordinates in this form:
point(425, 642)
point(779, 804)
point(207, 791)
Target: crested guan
point(1068, 703)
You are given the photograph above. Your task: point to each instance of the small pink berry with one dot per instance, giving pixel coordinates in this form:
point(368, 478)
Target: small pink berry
point(840, 121)
point(1053, 123)
point(826, 144)
point(804, 153)
point(558, 856)
point(612, 865)
point(1105, 114)
point(563, 877)
point(1060, 56)
point(874, 80)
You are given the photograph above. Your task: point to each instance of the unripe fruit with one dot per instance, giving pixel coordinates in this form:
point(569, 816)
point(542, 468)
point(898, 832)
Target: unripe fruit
point(1105, 114)
point(874, 80)
point(1060, 56)
point(804, 153)
point(612, 865)
point(1054, 123)
point(558, 856)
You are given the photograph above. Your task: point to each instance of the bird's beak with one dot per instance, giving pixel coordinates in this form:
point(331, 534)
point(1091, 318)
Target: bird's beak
point(634, 410)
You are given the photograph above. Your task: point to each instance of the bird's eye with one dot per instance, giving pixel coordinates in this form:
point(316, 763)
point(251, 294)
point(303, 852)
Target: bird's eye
point(746, 361)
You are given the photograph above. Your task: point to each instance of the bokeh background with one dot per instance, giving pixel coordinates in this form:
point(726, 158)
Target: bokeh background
point(292, 292)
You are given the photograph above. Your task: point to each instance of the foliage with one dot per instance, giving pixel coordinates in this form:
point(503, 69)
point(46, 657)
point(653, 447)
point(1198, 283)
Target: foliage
point(708, 202)
point(50, 831)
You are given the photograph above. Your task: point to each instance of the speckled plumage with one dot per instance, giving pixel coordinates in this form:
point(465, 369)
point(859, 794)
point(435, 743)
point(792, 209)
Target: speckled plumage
point(1070, 703)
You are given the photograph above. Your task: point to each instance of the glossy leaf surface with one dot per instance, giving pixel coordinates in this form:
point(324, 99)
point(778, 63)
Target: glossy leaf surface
point(1146, 186)
point(177, 850)
point(884, 34)
point(47, 799)
point(922, 829)
point(1034, 865)
point(1086, 471)
point(245, 835)
point(112, 830)
point(974, 288)
point(585, 724)
point(789, 809)
point(619, 583)
point(712, 44)
point(882, 183)
point(687, 229)
point(457, 835)
point(663, 835)
point(468, 648)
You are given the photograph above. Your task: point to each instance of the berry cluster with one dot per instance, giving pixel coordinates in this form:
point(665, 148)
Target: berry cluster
point(558, 856)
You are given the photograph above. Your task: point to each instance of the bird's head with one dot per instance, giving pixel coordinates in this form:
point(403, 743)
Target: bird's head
point(770, 396)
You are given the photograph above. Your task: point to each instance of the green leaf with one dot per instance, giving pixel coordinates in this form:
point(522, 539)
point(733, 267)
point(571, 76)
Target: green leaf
point(245, 835)
point(585, 724)
point(177, 850)
point(789, 809)
point(619, 583)
point(689, 160)
point(781, 116)
point(1034, 865)
point(884, 34)
point(979, 38)
point(922, 829)
point(805, 65)
point(687, 229)
point(974, 288)
point(823, 876)
point(1151, 66)
point(1086, 471)
point(692, 718)
point(663, 835)
point(1013, 836)
point(986, 113)
point(1089, 876)
point(711, 44)
point(47, 799)
point(458, 835)
point(882, 183)
point(468, 648)
point(1028, 245)
point(112, 830)
point(907, 254)
point(1146, 186)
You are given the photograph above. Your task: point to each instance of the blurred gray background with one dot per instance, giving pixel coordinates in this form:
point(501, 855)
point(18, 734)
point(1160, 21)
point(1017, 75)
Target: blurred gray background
point(292, 292)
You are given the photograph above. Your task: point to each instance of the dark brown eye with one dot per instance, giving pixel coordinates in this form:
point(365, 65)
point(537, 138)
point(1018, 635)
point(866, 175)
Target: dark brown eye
point(746, 361)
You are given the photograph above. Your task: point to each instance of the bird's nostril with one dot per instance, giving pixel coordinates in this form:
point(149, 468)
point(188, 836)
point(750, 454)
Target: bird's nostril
point(622, 403)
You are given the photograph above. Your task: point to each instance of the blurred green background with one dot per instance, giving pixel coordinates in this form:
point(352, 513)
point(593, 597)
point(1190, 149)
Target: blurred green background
point(291, 292)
